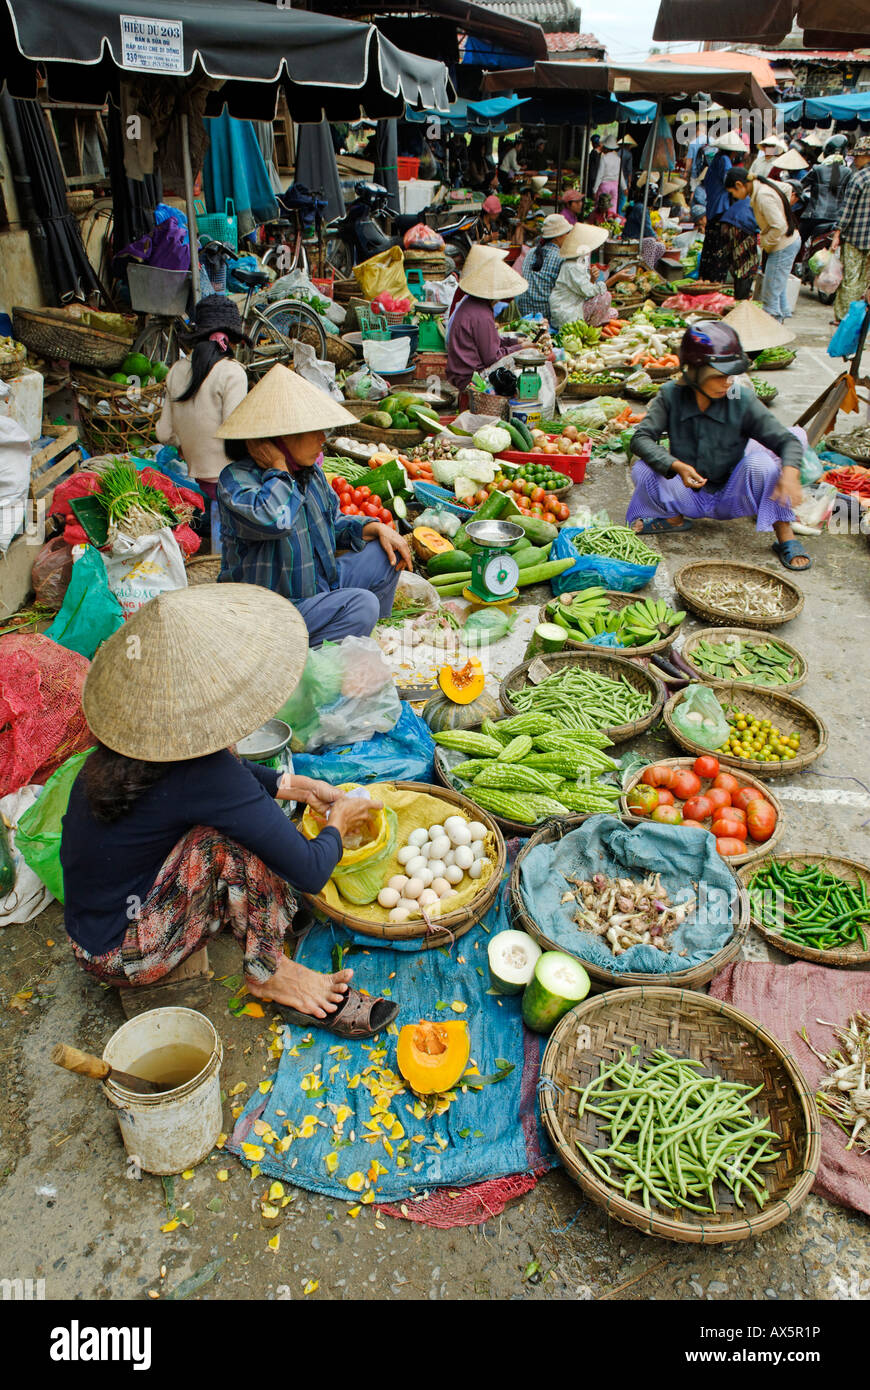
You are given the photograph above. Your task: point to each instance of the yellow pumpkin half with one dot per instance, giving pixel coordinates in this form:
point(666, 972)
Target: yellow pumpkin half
point(464, 684)
point(433, 1056)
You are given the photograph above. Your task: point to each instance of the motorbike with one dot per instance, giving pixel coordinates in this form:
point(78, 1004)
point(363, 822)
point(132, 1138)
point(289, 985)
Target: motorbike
point(360, 233)
point(817, 239)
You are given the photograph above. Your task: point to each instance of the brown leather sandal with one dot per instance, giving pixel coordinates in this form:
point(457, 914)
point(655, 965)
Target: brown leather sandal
point(357, 1016)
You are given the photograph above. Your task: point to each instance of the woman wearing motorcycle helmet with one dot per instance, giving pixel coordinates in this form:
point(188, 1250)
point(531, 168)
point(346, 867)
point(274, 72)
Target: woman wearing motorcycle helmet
point(728, 455)
point(825, 188)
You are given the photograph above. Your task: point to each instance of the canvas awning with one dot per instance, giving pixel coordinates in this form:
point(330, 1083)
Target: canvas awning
point(733, 86)
point(826, 23)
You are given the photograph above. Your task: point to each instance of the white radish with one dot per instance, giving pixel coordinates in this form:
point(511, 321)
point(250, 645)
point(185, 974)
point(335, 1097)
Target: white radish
point(477, 830)
point(418, 837)
point(398, 882)
point(453, 874)
point(464, 857)
point(389, 897)
point(415, 865)
point(414, 887)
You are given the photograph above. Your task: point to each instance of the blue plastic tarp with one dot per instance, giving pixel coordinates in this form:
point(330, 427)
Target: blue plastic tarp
point(848, 107)
point(471, 115)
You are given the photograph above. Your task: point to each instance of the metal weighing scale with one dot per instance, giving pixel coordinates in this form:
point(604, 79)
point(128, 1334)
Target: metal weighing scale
point(494, 572)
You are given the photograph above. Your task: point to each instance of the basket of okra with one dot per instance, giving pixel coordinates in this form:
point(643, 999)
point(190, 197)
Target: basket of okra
point(590, 692)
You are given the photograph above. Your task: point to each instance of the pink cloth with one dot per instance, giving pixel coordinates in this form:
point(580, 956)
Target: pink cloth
point(609, 188)
point(786, 998)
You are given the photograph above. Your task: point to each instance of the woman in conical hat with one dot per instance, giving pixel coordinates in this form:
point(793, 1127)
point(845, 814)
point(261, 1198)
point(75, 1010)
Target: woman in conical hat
point(280, 521)
point(473, 343)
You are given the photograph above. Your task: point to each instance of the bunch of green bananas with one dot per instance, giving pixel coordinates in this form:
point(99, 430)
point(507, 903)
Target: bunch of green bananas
point(645, 621)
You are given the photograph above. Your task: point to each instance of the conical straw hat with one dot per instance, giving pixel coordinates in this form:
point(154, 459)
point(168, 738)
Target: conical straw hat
point(283, 402)
point(479, 255)
point(792, 159)
point(492, 279)
point(755, 328)
point(582, 237)
point(194, 671)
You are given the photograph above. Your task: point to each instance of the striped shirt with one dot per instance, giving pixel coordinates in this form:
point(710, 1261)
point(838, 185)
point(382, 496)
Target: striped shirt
point(281, 530)
point(536, 299)
point(855, 217)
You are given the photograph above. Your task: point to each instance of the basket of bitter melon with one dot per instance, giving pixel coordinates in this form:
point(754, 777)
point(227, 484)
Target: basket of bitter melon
point(644, 625)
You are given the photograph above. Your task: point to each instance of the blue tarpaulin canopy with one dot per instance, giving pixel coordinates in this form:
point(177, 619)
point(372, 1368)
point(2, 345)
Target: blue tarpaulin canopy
point(596, 110)
point(849, 107)
point(463, 116)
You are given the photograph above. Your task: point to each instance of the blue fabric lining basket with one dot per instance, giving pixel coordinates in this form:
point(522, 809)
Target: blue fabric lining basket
point(432, 496)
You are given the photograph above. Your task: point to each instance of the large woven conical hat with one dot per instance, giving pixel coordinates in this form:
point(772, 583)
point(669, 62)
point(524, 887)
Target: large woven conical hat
point(194, 671)
point(479, 255)
point(755, 328)
point(582, 237)
point(283, 402)
point(492, 279)
point(792, 159)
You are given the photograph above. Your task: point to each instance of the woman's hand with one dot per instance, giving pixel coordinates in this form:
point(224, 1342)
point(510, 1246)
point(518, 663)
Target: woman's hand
point(267, 454)
point(689, 475)
point(788, 490)
point(320, 796)
point(352, 813)
point(397, 550)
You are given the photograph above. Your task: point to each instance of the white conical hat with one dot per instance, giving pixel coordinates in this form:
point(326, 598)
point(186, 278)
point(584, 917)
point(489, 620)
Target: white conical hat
point(755, 328)
point(731, 144)
point(283, 402)
point(792, 159)
point(582, 237)
point(492, 279)
point(479, 255)
point(195, 670)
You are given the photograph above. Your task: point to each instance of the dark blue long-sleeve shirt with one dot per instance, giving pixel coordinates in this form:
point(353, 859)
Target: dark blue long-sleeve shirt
point(109, 867)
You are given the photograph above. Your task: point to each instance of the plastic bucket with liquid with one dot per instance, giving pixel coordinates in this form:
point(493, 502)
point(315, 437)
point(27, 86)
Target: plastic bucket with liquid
point(171, 1130)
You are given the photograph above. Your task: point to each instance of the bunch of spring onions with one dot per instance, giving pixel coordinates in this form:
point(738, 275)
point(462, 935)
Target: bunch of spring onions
point(131, 506)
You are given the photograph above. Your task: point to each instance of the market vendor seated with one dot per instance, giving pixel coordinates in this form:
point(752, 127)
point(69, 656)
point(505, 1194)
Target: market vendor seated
point(169, 837)
point(473, 342)
point(728, 455)
point(280, 521)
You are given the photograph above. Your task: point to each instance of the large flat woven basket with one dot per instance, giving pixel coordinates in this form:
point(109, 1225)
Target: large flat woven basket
point(54, 334)
point(785, 713)
point(688, 579)
point(617, 600)
point(729, 1044)
point(601, 664)
point(849, 869)
point(746, 634)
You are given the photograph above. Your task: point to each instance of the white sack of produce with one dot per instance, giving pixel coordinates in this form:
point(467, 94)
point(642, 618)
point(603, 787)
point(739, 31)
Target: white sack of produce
point(139, 568)
point(29, 895)
point(14, 476)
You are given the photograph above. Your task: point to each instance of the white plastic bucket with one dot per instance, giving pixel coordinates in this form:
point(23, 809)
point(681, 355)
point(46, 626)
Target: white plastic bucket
point(167, 1131)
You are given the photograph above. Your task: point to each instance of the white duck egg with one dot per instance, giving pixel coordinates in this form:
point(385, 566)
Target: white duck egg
point(477, 830)
point(399, 914)
point(440, 846)
point(427, 898)
point(398, 882)
point(448, 858)
point(436, 830)
point(478, 849)
point(460, 836)
point(418, 837)
point(389, 897)
point(453, 874)
point(415, 865)
point(425, 876)
point(414, 887)
point(464, 857)
point(442, 887)
point(410, 906)
point(451, 824)
point(407, 852)
point(476, 869)
point(437, 867)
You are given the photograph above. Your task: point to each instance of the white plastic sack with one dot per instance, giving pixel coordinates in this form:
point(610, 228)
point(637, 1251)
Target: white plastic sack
point(365, 385)
point(29, 895)
point(321, 374)
point(441, 291)
point(828, 279)
point(138, 570)
point(387, 357)
point(14, 475)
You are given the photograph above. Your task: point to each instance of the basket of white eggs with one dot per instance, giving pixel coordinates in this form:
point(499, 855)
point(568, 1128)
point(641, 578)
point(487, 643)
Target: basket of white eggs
point(442, 877)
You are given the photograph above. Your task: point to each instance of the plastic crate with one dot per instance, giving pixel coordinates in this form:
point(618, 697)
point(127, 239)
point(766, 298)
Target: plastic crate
point(408, 167)
point(433, 496)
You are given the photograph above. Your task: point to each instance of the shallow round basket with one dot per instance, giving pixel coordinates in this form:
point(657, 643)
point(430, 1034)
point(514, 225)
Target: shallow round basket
point(355, 455)
point(627, 306)
point(54, 334)
point(776, 366)
point(617, 601)
point(587, 390)
point(202, 569)
point(509, 828)
point(701, 287)
point(784, 711)
point(769, 398)
point(691, 576)
point(662, 373)
point(754, 852)
point(602, 664)
point(721, 634)
point(644, 396)
point(729, 1044)
point(614, 250)
point(396, 439)
point(450, 924)
point(354, 341)
point(849, 869)
point(337, 351)
point(693, 978)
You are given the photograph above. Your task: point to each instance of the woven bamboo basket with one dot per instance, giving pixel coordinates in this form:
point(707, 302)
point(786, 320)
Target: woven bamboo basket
point(687, 580)
point(602, 664)
point(662, 373)
point(776, 366)
point(729, 1044)
point(699, 287)
point(627, 306)
point(56, 335)
point(850, 869)
point(115, 430)
point(660, 293)
point(617, 601)
point(487, 403)
point(450, 924)
point(202, 569)
point(80, 200)
point(397, 439)
point(789, 715)
point(509, 828)
point(587, 390)
point(614, 250)
point(754, 851)
point(693, 978)
point(337, 351)
point(769, 399)
point(721, 634)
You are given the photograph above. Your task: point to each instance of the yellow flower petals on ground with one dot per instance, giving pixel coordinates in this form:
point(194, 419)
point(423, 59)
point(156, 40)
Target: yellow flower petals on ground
point(354, 1212)
point(331, 1161)
point(356, 1182)
point(187, 1174)
point(276, 1191)
point(170, 1226)
point(458, 1007)
point(275, 1242)
point(222, 1174)
point(264, 1087)
point(253, 1151)
point(312, 1286)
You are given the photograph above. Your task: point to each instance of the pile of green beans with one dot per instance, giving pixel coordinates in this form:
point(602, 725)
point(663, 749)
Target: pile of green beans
point(810, 906)
point(673, 1133)
point(580, 699)
point(616, 542)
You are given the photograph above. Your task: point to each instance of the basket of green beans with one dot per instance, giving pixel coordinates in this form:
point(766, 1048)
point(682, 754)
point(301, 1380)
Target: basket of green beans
point(679, 1115)
point(815, 906)
point(586, 690)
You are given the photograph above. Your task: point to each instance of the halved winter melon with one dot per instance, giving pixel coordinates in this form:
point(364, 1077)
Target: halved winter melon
point(512, 959)
point(558, 983)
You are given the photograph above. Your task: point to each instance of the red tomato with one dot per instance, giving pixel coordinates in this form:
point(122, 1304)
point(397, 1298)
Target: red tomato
point(717, 796)
point(371, 509)
point(728, 782)
point(685, 784)
point(384, 516)
point(699, 808)
point(667, 815)
point(336, 484)
point(350, 509)
point(734, 813)
point(658, 775)
point(666, 798)
point(760, 819)
point(745, 795)
point(727, 827)
point(695, 824)
point(551, 517)
point(365, 492)
point(707, 766)
point(356, 496)
point(642, 799)
point(726, 844)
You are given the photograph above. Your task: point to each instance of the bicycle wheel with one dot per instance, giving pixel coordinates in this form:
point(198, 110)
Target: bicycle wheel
point(158, 340)
point(338, 256)
point(273, 330)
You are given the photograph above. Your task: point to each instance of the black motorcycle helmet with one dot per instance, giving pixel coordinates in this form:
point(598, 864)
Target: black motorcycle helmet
point(838, 144)
point(711, 343)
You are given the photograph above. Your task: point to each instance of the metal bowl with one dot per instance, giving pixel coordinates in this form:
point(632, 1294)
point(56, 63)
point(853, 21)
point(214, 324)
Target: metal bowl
point(494, 532)
point(266, 742)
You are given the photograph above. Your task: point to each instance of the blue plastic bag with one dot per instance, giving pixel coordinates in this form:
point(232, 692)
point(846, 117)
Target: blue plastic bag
point(848, 330)
point(589, 570)
point(243, 263)
point(405, 754)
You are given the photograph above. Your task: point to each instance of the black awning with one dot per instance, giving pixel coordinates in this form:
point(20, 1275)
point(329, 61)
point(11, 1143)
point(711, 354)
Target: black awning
point(836, 24)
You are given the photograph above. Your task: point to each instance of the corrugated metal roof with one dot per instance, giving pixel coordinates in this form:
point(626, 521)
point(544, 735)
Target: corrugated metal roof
point(570, 43)
point(547, 13)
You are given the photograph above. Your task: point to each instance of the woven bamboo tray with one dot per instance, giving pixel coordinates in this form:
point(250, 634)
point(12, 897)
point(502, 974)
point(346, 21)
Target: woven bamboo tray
point(397, 439)
point(617, 601)
point(509, 828)
point(788, 714)
point(698, 572)
point(115, 430)
point(614, 250)
point(728, 1043)
point(587, 390)
point(202, 569)
point(450, 924)
point(602, 664)
point(699, 287)
point(721, 634)
point(54, 334)
point(754, 851)
point(775, 366)
point(693, 978)
point(849, 869)
point(337, 351)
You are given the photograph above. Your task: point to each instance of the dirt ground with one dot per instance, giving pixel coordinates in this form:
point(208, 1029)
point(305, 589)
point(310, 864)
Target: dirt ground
point(70, 1214)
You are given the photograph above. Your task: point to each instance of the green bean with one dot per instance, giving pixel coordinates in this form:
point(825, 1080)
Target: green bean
point(819, 908)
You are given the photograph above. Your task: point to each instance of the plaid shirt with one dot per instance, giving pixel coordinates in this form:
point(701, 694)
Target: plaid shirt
point(855, 217)
point(279, 535)
point(536, 299)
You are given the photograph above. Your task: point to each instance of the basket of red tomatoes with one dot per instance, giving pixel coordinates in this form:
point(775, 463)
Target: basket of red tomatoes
point(361, 501)
point(741, 812)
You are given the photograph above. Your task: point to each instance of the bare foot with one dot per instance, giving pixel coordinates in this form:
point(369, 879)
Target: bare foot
point(303, 989)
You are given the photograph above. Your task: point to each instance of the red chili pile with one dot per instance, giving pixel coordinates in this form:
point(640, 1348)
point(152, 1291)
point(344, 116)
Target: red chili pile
point(854, 479)
point(704, 797)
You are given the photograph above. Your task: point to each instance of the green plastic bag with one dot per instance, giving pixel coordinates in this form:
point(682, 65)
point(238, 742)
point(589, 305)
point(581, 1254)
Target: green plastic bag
point(90, 612)
point(701, 718)
point(37, 835)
